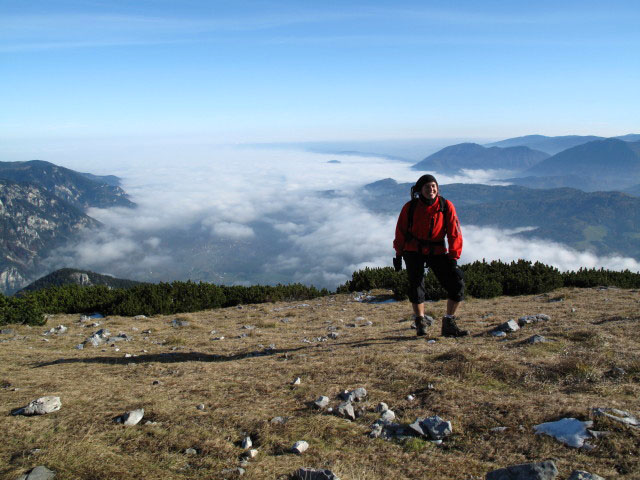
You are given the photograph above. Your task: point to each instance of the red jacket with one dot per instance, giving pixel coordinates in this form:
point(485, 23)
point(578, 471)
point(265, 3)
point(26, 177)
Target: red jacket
point(423, 216)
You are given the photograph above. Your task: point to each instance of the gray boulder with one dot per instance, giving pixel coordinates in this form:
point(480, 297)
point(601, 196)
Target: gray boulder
point(436, 427)
point(176, 322)
point(356, 395)
point(7, 331)
point(98, 338)
point(321, 402)
point(345, 409)
point(38, 473)
point(535, 339)
point(41, 406)
point(313, 474)
point(510, 326)
point(526, 471)
point(581, 475)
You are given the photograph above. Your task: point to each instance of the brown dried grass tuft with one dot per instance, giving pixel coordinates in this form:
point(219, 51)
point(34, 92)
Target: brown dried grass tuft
point(477, 383)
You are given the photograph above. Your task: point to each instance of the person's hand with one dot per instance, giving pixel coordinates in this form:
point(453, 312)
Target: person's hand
point(397, 263)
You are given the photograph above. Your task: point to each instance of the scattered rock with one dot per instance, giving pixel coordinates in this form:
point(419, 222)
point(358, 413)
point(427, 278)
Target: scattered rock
point(356, 395)
point(176, 322)
point(535, 339)
point(618, 415)
point(313, 474)
point(98, 338)
point(56, 330)
point(247, 443)
point(278, 420)
point(570, 431)
point(140, 317)
point(382, 407)
point(499, 429)
point(510, 326)
point(239, 471)
point(248, 327)
point(7, 331)
point(436, 427)
point(358, 319)
point(297, 381)
point(498, 333)
point(146, 332)
point(191, 451)
point(200, 407)
point(333, 335)
point(300, 447)
point(321, 402)
point(582, 475)
point(251, 453)
point(38, 473)
point(526, 471)
point(388, 416)
point(131, 418)
point(80, 346)
point(41, 406)
point(540, 317)
point(411, 398)
point(217, 338)
point(345, 409)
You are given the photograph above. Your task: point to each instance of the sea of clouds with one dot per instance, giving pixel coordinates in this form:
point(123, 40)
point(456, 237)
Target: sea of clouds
point(249, 215)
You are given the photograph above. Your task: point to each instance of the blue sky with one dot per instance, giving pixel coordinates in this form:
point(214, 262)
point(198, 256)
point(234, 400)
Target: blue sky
point(76, 72)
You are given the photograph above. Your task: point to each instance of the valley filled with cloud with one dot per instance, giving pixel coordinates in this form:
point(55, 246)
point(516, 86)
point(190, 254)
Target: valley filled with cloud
point(249, 215)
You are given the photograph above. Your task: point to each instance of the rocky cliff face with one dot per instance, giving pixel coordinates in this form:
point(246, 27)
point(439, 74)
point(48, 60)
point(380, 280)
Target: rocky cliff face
point(32, 222)
point(71, 186)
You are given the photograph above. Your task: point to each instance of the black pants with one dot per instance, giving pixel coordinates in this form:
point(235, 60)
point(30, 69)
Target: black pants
point(449, 275)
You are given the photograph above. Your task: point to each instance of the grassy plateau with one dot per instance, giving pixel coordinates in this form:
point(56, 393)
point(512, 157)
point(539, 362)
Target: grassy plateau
point(245, 380)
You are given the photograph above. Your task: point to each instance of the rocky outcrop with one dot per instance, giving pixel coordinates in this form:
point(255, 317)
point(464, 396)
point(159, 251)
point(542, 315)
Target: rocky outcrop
point(32, 223)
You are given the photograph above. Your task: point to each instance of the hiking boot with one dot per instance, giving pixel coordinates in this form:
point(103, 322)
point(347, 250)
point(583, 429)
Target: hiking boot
point(450, 329)
point(421, 326)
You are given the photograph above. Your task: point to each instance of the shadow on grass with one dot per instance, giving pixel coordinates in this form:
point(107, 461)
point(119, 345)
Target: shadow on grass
point(173, 357)
point(176, 357)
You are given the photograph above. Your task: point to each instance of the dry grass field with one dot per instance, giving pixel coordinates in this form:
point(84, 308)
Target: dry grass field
point(478, 383)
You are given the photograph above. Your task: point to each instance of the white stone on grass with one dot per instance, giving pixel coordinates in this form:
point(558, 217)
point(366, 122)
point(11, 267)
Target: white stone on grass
point(321, 402)
point(510, 326)
point(251, 453)
point(388, 416)
point(570, 431)
point(297, 381)
point(41, 406)
point(132, 418)
point(300, 447)
point(382, 407)
point(247, 443)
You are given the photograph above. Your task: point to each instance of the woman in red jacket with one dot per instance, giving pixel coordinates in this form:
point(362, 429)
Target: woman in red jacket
point(420, 240)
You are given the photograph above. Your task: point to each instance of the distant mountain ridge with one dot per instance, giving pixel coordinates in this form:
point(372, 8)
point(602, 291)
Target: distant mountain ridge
point(81, 190)
point(599, 165)
point(73, 276)
point(553, 145)
point(454, 158)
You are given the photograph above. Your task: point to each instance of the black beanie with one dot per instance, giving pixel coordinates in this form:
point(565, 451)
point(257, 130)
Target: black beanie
point(424, 179)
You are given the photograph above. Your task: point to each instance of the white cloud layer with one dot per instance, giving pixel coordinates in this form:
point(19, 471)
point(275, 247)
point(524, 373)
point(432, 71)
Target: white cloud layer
point(264, 216)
